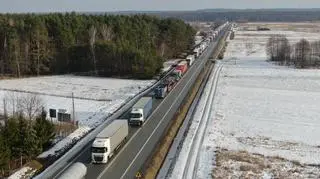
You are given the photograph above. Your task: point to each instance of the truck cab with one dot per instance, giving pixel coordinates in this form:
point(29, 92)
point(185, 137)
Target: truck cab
point(100, 151)
point(160, 91)
point(141, 111)
point(136, 117)
point(109, 140)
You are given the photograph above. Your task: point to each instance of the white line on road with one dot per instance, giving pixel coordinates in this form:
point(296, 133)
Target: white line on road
point(135, 158)
point(136, 133)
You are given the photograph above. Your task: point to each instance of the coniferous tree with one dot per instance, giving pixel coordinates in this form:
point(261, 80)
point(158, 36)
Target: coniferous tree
point(4, 153)
point(44, 130)
point(33, 44)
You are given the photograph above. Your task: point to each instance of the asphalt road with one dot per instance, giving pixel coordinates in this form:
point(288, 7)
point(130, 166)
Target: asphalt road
point(142, 141)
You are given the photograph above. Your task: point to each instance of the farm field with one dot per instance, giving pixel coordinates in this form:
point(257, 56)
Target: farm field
point(264, 120)
point(94, 98)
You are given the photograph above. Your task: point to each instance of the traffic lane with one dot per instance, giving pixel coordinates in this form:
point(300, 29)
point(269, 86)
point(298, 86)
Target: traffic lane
point(165, 117)
point(156, 135)
point(85, 158)
point(95, 169)
point(205, 55)
point(155, 104)
point(116, 169)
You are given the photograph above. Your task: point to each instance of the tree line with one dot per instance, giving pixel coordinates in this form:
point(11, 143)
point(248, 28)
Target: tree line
point(104, 45)
point(25, 134)
point(301, 55)
point(246, 15)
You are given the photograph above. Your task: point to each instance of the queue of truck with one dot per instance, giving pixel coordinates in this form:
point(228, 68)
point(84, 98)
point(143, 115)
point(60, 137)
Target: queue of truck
point(182, 65)
point(109, 140)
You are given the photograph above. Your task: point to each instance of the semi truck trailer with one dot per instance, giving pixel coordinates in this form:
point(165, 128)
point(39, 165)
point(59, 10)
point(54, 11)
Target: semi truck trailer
point(141, 111)
point(109, 140)
point(190, 59)
point(161, 91)
point(76, 171)
point(182, 67)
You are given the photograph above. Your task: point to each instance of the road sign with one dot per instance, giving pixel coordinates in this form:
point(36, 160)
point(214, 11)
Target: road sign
point(138, 175)
point(64, 117)
point(53, 113)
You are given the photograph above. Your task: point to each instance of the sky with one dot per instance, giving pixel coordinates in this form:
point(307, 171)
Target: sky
point(126, 5)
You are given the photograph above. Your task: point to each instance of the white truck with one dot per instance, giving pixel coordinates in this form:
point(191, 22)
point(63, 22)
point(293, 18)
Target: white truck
point(196, 52)
point(75, 171)
point(141, 111)
point(190, 59)
point(109, 140)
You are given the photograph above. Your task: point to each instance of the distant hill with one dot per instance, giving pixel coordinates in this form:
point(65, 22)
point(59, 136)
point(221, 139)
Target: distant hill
point(268, 15)
point(255, 10)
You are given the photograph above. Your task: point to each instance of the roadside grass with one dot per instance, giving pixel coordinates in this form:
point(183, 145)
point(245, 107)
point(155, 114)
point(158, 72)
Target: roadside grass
point(241, 164)
point(155, 164)
point(164, 147)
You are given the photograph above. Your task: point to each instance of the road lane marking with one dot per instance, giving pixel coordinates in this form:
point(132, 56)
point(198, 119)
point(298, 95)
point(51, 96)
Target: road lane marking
point(206, 56)
point(159, 124)
point(139, 130)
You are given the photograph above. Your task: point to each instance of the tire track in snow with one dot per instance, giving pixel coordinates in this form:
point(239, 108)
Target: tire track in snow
point(191, 166)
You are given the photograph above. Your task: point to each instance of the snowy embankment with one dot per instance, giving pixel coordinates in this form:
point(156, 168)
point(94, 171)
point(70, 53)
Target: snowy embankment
point(95, 99)
point(263, 109)
point(25, 172)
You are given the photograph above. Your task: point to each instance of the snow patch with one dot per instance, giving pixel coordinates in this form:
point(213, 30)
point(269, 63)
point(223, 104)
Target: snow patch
point(95, 99)
point(260, 108)
point(25, 172)
point(72, 138)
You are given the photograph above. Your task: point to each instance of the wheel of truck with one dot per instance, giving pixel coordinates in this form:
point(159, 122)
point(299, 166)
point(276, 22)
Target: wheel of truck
point(140, 123)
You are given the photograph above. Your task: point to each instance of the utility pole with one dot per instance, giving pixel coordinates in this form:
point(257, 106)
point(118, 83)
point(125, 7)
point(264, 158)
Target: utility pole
point(4, 109)
point(73, 111)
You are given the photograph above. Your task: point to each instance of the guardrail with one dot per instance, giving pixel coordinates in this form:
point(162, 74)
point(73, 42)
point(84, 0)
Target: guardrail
point(178, 141)
point(66, 160)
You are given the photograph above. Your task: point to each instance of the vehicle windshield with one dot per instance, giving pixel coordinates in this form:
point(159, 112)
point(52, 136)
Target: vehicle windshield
point(135, 115)
point(99, 149)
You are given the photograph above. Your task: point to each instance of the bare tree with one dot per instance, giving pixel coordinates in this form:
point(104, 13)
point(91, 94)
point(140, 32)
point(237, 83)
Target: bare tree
point(278, 49)
point(163, 47)
point(284, 51)
point(16, 56)
point(92, 41)
point(302, 53)
point(249, 46)
point(39, 48)
point(3, 54)
point(106, 32)
point(270, 48)
point(11, 99)
point(315, 53)
point(5, 113)
point(31, 105)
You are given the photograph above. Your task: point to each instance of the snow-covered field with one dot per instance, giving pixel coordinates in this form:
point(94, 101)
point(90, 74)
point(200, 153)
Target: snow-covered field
point(95, 98)
point(297, 26)
point(260, 108)
point(90, 88)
